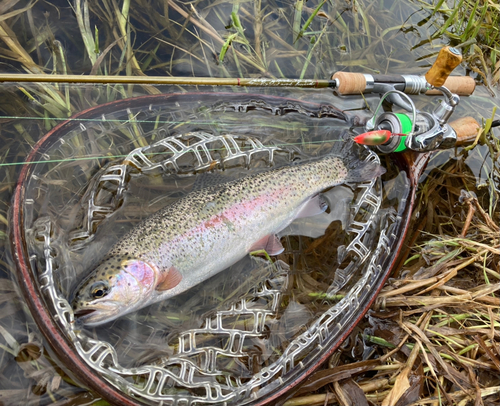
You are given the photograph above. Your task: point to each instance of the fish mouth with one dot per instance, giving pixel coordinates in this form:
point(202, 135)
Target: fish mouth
point(84, 312)
point(95, 315)
point(86, 316)
point(89, 316)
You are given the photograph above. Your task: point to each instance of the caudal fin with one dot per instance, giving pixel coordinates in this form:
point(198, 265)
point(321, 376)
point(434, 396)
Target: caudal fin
point(359, 169)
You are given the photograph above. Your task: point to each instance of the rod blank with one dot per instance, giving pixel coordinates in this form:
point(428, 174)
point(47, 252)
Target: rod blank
point(168, 80)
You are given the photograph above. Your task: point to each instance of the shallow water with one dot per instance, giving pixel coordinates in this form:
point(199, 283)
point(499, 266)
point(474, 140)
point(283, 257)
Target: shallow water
point(381, 36)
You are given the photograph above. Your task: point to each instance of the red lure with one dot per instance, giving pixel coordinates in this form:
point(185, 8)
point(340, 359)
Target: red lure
point(378, 137)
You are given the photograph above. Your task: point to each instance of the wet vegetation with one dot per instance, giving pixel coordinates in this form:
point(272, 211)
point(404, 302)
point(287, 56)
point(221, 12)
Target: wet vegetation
point(432, 337)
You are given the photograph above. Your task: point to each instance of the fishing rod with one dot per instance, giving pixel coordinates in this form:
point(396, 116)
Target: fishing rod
point(390, 132)
point(344, 83)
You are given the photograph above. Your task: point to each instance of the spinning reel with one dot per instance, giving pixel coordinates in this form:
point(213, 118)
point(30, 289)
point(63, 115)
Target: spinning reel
point(414, 130)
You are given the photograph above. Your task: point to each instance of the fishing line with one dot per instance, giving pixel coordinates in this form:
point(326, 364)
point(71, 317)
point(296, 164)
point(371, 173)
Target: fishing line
point(291, 144)
point(495, 123)
point(117, 120)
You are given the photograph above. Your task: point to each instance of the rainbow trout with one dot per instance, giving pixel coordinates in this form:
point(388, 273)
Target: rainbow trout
point(207, 231)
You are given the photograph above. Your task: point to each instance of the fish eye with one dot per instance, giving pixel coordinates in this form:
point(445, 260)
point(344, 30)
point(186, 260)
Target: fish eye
point(99, 289)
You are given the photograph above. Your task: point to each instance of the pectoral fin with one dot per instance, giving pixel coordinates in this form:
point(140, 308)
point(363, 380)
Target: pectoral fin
point(169, 279)
point(270, 243)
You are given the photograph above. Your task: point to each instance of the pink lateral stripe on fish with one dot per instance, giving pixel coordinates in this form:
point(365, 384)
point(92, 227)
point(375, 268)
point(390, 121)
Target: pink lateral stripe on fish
point(207, 231)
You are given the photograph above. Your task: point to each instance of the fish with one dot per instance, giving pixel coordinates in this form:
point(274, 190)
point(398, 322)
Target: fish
point(207, 231)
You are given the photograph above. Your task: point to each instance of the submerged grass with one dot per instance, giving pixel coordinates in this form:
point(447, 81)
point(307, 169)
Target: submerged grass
point(433, 335)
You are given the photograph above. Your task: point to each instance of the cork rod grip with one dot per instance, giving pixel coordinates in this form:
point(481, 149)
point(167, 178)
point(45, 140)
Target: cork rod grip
point(447, 60)
point(350, 83)
point(466, 129)
point(461, 85)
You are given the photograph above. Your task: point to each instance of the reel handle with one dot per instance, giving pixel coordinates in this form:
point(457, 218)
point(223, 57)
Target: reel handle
point(448, 59)
point(461, 85)
point(466, 129)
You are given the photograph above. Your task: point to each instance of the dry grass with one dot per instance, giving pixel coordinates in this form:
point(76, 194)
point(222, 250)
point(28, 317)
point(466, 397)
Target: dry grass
point(433, 334)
